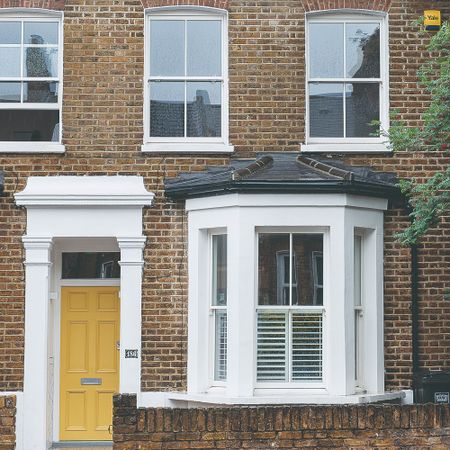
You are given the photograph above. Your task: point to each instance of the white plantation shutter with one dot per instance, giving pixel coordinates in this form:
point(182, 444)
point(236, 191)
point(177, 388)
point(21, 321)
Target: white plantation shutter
point(220, 365)
point(271, 346)
point(306, 346)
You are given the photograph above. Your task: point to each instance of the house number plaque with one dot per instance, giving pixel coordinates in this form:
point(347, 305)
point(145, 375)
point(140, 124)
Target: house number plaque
point(131, 353)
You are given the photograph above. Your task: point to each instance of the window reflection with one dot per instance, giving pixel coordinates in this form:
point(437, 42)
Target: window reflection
point(90, 265)
point(277, 256)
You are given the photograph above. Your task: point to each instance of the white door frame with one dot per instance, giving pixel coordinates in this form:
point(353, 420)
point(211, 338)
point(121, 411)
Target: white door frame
point(76, 207)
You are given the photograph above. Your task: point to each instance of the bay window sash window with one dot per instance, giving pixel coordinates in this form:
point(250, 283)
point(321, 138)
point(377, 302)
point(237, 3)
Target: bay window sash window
point(218, 306)
point(289, 328)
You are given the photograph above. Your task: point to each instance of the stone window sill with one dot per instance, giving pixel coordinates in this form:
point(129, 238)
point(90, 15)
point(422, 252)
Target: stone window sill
point(187, 147)
point(31, 147)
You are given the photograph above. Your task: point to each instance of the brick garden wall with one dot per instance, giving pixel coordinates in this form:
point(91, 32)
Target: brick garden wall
point(366, 426)
point(7, 422)
point(103, 129)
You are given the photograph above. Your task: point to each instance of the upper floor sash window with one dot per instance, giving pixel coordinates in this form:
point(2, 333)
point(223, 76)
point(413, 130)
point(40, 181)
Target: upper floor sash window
point(30, 77)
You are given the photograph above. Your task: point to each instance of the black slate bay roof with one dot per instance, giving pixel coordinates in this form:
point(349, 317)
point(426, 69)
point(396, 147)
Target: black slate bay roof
point(283, 172)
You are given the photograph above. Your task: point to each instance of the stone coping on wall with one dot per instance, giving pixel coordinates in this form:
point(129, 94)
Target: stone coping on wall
point(392, 426)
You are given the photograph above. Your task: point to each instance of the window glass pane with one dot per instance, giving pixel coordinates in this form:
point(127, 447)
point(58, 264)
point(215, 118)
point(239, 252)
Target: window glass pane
point(362, 107)
point(204, 48)
point(167, 109)
point(10, 32)
point(220, 353)
point(167, 47)
point(40, 32)
point(271, 269)
point(272, 341)
point(204, 110)
point(326, 110)
point(40, 62)
point(9, 62)
point(363, 50)
point(306, 346)
point(40, 92)
point(9, 92)
point(219, 270)
point(90, 265)
point(29, 125)
point(326, 50)
point(306, 248)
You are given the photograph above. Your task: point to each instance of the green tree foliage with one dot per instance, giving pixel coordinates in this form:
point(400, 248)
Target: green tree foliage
point(429, 199)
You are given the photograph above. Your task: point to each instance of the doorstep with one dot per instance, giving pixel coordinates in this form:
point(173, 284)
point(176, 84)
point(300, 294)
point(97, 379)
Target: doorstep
point(84, 445)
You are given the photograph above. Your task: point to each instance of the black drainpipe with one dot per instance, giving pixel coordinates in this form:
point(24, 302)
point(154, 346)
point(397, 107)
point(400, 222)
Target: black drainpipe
point(415, 312)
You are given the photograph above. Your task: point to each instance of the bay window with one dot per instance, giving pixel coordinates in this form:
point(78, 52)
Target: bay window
point(279, 278)
point(30, 81)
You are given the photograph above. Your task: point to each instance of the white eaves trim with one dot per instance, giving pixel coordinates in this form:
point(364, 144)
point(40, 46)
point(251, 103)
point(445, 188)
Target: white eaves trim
point(186, 147)
point(85, 191)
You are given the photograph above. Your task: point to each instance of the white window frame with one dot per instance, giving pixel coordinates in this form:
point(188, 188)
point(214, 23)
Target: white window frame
point(213, 308)
point(187, 144)
point(291, 309)
point(36, 15)
point(344, 144)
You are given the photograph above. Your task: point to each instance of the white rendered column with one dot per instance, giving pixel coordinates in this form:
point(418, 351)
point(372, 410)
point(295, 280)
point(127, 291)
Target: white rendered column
point(339, 307)
point(373, 340)
point(241, 305)
point(37, 290)
point(131, 267)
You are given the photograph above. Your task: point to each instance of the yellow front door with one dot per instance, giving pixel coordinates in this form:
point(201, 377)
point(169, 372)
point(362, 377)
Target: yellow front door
point(89, 361)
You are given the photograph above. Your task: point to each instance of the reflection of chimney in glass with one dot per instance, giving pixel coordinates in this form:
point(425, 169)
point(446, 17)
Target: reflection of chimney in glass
point(37, 65)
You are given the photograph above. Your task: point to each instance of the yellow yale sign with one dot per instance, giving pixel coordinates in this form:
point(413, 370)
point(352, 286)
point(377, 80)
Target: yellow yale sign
point(432, 20)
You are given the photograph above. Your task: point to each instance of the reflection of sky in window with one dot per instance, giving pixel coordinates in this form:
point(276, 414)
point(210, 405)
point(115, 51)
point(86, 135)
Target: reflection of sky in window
point(211, 91)
point(167, 91)
point(10, 33)
point(167, 47)
point(10, 62)
point(326, 50)
point(41, 32)
point(326, 89)
point(9, 92)
point(204, 48)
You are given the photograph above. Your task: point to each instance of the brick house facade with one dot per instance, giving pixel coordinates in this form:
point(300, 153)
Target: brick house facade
point(102, 133)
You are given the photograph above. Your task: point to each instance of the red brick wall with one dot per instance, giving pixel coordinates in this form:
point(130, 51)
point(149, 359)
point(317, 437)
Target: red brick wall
point(46, 4)
point(374, 426)
point(7, 423)
point(102, 119)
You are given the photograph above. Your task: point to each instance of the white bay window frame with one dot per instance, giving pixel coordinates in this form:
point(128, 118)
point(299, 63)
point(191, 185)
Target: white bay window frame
point(349, 144)
point(187, 144)
point(35, 15)
point(244, 216)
